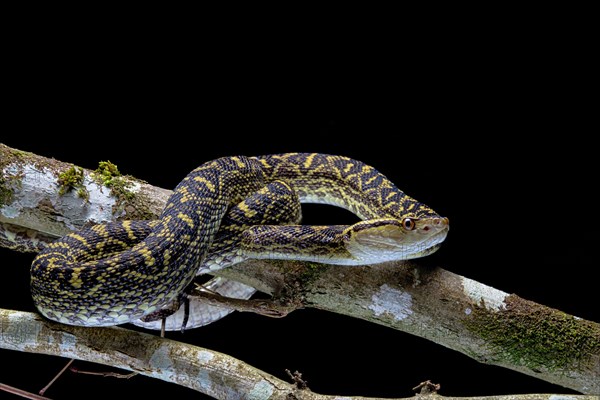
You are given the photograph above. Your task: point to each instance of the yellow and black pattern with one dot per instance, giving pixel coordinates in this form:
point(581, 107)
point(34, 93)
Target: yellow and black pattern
point(115, 273)
point(344, 182)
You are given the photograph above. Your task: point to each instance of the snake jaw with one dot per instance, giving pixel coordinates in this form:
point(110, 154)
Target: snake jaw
point(382, 240)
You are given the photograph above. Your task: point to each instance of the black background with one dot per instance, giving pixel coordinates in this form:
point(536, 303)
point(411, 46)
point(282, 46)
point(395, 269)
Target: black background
point(490, 130)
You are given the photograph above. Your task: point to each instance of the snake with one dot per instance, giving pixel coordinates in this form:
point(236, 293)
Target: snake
point(223, 212)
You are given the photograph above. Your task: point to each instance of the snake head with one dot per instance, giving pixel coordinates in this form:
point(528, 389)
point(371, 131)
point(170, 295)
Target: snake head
point(389, 239)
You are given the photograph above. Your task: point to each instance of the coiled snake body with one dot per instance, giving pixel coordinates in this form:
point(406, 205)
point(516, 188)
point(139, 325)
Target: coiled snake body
point(223, 212)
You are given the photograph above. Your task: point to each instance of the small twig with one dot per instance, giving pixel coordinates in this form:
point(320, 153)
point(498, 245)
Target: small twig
point(105, 374)
point(296, 378)
point(186, 312)
point(22, 393)
point(268, 308)
point(427, 387)
point(43, 390)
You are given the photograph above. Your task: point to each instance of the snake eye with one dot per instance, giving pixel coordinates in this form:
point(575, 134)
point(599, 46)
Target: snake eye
point(408, 224)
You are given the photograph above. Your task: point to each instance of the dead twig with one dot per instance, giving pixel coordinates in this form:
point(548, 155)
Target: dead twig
point(43, 390)
point(104, 374)
point(427, 387)
point(267, 308)
point(22, 393)
point(296, 378)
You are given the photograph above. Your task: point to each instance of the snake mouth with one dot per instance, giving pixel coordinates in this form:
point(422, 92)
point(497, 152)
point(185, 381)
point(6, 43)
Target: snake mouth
point(432, 244)
point(389, 243)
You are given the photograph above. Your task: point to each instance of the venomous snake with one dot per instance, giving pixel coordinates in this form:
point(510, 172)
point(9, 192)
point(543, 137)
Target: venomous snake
point(223, 212)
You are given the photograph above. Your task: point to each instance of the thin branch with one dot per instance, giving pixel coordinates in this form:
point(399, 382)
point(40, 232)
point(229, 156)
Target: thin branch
point(269, 308)
point(43, 390)
point(484, 323)
point(104, 374)
point(20, 392)
point(204, 370)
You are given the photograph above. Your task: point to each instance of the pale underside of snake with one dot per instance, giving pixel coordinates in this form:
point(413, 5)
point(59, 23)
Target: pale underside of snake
point(224, 212)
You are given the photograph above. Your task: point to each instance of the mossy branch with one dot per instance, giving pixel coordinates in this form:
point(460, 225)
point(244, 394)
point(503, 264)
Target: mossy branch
point(484, 323)
point(42, 198)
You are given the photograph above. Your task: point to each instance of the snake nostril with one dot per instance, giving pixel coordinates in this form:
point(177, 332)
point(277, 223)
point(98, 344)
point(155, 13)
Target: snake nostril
point(426, 228)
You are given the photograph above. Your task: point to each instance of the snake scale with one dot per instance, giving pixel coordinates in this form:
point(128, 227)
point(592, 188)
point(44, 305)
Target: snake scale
point(223, 212)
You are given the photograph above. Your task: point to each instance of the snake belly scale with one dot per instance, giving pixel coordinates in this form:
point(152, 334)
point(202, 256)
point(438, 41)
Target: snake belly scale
point(120, 272)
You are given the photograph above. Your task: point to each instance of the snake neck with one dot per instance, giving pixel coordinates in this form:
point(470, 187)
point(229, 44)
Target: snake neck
point(343, 182)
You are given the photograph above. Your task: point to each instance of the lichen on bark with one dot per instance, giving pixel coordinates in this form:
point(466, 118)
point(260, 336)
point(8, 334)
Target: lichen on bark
point(534, 336)
point(47, 195)
point(9, 182)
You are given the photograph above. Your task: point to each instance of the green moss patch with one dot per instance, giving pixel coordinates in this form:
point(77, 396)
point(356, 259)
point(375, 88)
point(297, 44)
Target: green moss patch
point(107, 172)
point(536, 336)
point(135, 206)
point(311, 272)
point(72, 179)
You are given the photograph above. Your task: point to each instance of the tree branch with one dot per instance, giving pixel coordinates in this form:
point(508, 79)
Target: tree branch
point(484, 323)
point(204, 370)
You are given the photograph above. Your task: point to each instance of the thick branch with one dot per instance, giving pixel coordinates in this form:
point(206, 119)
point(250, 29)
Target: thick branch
point(482, 322)
point(36, 206)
